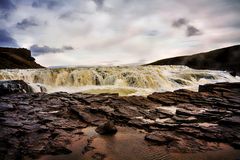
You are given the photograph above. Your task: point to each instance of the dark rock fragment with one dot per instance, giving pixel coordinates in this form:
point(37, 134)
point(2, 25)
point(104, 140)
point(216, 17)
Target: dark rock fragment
point(14, 86)
point(219, 87)
point(236, 145)
point(5, 106)
point(185, 119)
point(106, 128)
point(160, 138)
point(230, 121)
point(233, 73)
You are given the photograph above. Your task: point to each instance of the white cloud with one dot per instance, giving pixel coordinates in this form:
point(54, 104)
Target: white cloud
point(124, 31)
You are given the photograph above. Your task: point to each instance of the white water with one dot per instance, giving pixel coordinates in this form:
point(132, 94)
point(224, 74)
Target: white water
point(141, 80)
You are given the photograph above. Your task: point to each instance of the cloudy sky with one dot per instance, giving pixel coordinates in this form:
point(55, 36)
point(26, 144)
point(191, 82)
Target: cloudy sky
point(117, 32)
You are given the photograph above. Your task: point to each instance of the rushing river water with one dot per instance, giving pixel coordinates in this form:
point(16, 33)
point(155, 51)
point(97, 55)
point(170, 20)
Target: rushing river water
point(141, 80)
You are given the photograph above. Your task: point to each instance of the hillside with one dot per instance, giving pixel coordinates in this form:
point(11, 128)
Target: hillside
point(221, 59)
point(17, 58)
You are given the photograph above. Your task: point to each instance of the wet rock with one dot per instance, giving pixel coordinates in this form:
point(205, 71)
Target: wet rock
point(160, 138)
point(14, 86)
point(168, 124)
point(38, 123)
point(236, 145)
point(165, 112)
point(104, 109)
point(98, 156)
point(162, 99)
point(42, 88)
point(219, 111)
point(5, 106)
point(140, 122)
point(185, 119)
point(56, 150)
point(84, 114)
point(229, 87)
point(185, 112)
point(230, 121)
point(233, 73)
point(142, 102)
point(88, 147)
point(12, 123)
point(107, 128)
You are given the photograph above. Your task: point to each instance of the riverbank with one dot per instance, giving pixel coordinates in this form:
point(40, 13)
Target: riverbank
point(183, 121)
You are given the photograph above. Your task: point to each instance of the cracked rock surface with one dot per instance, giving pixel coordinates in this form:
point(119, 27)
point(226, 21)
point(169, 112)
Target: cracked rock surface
point(34, 124)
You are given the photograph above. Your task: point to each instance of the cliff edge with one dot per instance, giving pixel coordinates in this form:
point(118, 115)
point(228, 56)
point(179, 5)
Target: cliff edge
point(17, 58)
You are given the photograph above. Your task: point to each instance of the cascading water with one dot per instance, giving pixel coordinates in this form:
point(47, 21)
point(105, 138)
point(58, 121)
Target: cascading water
point(141, 80)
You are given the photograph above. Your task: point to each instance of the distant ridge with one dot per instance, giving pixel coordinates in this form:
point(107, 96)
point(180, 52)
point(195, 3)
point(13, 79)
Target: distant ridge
point(227, 59)
point(17, 58)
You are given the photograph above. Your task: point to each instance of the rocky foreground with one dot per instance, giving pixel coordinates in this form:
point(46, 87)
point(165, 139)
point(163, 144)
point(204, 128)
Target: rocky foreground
point(34, 124)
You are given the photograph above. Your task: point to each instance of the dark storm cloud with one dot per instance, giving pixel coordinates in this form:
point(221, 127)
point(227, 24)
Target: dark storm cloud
point(26, 23)
point(68, 48)
point(50, 4)
point(39, 50)
point(234, 4)
point(180, 22)
point(6, 40)
point(99, 3)
point(106, 30)
point(192, 31)
point(66, 15)
point(6, 6)
point(70, 16)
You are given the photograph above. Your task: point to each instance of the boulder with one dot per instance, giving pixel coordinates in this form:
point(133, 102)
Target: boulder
point(107, 128)
point(14, 86)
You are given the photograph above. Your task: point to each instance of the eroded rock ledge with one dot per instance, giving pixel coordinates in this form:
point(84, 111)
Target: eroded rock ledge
point(17, 58)
point(34, 124)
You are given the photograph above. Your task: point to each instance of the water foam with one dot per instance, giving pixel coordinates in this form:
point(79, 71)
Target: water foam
point(141, 80)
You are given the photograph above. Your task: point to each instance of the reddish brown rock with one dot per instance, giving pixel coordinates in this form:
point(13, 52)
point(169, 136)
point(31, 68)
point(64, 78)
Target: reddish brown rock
point(33, 124)
point(107, 128)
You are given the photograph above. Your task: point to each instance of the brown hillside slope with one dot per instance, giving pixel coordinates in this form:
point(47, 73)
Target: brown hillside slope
point(17, 58)
point(221, 59)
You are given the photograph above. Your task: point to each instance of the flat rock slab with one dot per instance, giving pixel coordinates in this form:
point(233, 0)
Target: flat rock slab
point(230, 121)
point(33, 124)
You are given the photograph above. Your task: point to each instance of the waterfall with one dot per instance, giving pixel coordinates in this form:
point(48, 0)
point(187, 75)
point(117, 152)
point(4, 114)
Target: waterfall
point(140, 80)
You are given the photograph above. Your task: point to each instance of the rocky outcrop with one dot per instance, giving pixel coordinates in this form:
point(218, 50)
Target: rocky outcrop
point(17, 58)
point(33, 124)
point(221, 59)
point(14, 86)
